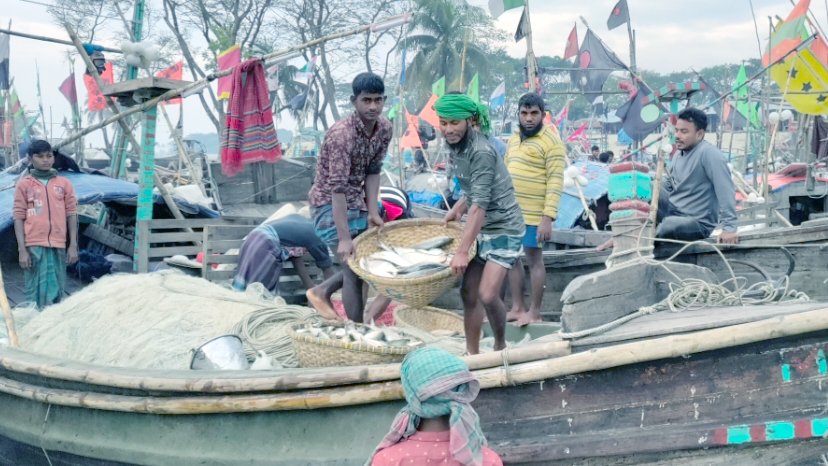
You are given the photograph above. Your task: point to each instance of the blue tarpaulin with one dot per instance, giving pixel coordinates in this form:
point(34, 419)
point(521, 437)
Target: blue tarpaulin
point(90, 189)
point(570, 209)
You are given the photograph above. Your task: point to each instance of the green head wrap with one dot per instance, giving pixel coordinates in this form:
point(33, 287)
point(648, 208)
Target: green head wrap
point(460, 107)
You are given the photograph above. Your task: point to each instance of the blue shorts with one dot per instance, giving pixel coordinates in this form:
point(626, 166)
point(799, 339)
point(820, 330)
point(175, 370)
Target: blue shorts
point(503, 250)
point(530, 238)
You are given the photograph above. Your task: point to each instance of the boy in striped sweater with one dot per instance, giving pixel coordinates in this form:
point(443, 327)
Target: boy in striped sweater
point(535, 157)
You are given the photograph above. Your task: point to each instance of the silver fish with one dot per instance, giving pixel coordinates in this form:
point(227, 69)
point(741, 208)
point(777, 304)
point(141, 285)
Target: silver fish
point(400, 342)
point(428, 267)
point(433, 243)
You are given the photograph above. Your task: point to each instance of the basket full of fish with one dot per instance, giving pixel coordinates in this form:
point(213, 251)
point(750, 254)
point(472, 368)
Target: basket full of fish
point(409, 260)
point(328, 344)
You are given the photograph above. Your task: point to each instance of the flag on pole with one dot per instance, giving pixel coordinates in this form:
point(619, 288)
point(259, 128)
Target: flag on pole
point(69, 90)
point(593, 66)
point(40, 98)
point(804, 73)
point(439, 88)
point(95, 99)
point(4, 62)
point(174, 72)
point(227, 60)
point(411, 139)
point(523, 27)
point(497, 7)
point(306, 72)
point(474, 88)
point(620, 15)
point(498, 97)
point(740, 93)
point(571, 44)
point(641, 119)
point(402, 68)
point(577, 133)
point(428, 114)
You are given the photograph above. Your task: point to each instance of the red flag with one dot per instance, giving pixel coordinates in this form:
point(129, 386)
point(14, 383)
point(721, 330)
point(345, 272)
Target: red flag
point(572, 44)
point(428, 114)
point(173, 72)
point(69, 90)
point(577, 134)
point(227, 60)
point(563, 114)
point(95, 101)
point(411, 139)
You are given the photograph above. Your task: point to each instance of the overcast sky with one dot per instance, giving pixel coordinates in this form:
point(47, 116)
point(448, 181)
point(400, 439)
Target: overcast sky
point(671, 35)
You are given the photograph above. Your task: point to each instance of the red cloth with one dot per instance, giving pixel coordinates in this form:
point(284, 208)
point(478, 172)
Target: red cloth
point(226, 60)
point(248, 135)
point(426, 448)
point(95, 101)
point(386, 319)
point(392, 211)
point(173, 72)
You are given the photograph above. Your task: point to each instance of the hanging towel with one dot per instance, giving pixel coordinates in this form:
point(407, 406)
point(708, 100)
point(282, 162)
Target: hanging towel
point(248, 135)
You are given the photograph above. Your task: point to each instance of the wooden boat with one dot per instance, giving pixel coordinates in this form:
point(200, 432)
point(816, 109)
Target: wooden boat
point(718, 386)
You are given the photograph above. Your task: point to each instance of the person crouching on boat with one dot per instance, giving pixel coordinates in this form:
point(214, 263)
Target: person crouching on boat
point(344, 195)
point(45, 210)
point(698, 192)
point(265, 250)
point(438, 426)
point(494, 217)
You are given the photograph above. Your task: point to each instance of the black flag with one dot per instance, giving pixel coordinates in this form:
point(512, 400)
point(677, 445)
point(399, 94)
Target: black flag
point(523, 27)
point(641, 119)
point(593, 65)
point(620, 15)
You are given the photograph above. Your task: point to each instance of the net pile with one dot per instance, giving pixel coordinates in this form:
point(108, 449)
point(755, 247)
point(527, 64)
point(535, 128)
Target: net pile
point(150, 321)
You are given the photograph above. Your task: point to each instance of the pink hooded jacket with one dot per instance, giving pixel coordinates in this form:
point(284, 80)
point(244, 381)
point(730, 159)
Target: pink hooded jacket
point(44, 210)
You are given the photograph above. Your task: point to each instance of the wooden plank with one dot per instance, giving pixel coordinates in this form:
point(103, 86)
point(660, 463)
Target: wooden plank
point(142, 254)
point(756, 221)
point(223, 246)
point(227, 232)
point(171, 223)
point(221, 258)
point(169, 251)
point(108, 238)
point(180, 237)
point(667, 323)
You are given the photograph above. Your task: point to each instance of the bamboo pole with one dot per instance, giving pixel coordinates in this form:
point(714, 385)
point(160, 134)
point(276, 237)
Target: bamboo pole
point(7, 315)
point(49, 39)
point(597, 359)
point(213, 76)
point(300, 379)
point(124, 127)
point(587, 210)
point(657, 183)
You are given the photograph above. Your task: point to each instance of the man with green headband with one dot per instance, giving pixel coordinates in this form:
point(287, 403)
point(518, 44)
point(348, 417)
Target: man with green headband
point(494, 217)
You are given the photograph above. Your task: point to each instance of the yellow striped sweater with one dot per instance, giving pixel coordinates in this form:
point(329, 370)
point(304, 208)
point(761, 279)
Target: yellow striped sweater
point(537, 167)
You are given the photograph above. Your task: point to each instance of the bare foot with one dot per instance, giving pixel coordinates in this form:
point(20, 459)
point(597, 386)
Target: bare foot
point(608, 245)
point(323, 307)
point(528, 318)
point(515, 314)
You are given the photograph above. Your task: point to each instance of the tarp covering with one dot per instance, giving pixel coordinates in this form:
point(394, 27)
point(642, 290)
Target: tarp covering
point(570, 209)
point(90, 189)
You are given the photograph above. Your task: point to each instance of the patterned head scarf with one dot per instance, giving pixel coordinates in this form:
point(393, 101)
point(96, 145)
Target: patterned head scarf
point(438, 383)
point(460, 107)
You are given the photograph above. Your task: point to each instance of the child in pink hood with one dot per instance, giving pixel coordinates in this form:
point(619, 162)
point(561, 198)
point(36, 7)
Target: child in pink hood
point(45, 214)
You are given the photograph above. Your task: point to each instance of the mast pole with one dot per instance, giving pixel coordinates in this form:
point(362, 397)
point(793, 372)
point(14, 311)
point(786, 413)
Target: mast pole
point(632, 39)
point(531, 65)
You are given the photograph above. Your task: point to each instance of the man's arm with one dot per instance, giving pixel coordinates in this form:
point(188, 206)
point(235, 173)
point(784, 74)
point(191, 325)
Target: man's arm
point(72, 248)
point(339, 207)
point(23, 253)
point(372, 186)
point(718, 172)
point(555, 160)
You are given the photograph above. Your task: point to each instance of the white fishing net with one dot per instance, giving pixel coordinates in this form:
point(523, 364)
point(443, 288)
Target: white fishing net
point(149, 320)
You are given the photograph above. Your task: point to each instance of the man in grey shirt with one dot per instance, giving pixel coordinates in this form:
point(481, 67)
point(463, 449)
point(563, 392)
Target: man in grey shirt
point(697, 193)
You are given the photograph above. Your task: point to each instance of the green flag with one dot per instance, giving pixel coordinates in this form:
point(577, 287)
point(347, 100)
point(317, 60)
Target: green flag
point(439, 88)
point(474, 88)
point(740, 93)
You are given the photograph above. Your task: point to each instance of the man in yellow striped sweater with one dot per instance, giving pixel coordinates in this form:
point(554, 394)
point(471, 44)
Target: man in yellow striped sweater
point(535, 157)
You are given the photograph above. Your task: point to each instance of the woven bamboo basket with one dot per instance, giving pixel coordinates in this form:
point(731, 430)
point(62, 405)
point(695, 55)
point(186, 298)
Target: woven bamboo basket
point(316, 352)
point(428, 319)
point(415, 292)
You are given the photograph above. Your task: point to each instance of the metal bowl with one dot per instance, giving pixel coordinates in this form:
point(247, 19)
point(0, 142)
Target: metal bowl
point(224, 353)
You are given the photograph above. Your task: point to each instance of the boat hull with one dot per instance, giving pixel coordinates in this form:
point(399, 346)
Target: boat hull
point(763, 402)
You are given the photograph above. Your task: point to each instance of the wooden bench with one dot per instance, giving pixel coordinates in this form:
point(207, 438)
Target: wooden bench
point(218, 240)
point(747, 215)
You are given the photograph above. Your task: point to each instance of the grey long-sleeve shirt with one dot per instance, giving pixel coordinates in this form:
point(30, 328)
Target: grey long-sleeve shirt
point(701, 187)
point(486, 182)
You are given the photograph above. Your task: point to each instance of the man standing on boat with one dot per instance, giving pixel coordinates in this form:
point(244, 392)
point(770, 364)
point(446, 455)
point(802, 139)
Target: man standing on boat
point(698, 192)
point(494, 217)
point(344, 195)
point(536, 160)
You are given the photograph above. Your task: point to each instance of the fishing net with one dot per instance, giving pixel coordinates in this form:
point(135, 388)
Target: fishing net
point(150, 321)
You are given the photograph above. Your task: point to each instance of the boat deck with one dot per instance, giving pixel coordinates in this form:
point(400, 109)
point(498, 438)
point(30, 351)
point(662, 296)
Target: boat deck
point(15, 283)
